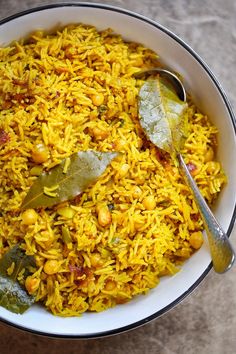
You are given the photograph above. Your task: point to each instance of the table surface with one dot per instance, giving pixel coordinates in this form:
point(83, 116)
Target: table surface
point(205, 321)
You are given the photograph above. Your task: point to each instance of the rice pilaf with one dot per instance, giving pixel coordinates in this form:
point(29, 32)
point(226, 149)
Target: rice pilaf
point(74, 90)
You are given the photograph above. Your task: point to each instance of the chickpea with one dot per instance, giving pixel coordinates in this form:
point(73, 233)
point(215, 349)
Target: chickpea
point(120, 144)
point(196, 240)
point(95, 259)
point(29, 217)
point(137, 192)
point(185, 253)
point(138, 225)
point(66, 212)
point(138, 62)
point(110, 285)
point(209, 154)
point(98, 99)
point(40, 153)
point(195, 172)
point(51, 266)
point(31, 284)
point(36, 170)
point(149, 202)
point(104, 216)
point(124, 170)
point(99, 134)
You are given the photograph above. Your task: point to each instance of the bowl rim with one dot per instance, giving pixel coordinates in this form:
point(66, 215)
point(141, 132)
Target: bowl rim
point(228, 106)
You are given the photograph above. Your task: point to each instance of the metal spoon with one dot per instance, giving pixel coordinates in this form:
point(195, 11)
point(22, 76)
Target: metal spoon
point(222, 252)
point(171, 77)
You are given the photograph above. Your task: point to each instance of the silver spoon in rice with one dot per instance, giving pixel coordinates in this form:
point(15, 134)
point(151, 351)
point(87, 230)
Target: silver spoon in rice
point(222, 252)
point(175, 81)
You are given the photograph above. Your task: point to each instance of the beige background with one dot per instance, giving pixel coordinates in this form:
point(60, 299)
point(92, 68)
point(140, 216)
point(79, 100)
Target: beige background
point(205, 322)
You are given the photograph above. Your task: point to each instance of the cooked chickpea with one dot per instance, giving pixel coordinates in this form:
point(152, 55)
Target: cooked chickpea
point(51, 266)
point(196, 240)
point(31, 284)
point(137, 192)
point(138, 62)
point(185, 253)
point(66, 212)
point(99, 134)
point(120, 144)
point(124, 170)
point(149, 202)
point(98, 99)
point(95, 259)
point(209, 154)
point(195, 172)
point(40, 153)
point(110, 285)
point(104, 216)
point(36, 170)
point(138, 225)
point(29, 217)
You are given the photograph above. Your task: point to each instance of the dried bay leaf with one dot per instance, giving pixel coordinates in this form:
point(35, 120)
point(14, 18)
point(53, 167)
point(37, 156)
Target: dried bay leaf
point(13, 296)
point(162, 115)
point(84, 169)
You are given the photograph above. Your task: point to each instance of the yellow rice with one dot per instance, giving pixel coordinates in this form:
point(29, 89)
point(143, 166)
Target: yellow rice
point(49, 86)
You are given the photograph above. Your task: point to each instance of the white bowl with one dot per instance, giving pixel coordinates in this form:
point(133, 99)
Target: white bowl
point(207, 94)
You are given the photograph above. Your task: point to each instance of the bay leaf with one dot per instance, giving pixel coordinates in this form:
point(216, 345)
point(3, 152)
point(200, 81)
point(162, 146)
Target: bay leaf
point(162, 115)
point(85, 168)
point(13, 296)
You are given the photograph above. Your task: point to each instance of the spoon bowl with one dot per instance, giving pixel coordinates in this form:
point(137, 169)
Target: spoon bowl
point(170, 76)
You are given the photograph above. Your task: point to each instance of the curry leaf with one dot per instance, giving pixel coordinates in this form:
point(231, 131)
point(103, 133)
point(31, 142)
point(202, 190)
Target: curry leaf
point(162, 115)
point(61, 184)
point(12, 295)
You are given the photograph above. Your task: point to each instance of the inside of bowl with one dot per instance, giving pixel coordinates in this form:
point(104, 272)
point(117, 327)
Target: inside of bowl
point(208, 96)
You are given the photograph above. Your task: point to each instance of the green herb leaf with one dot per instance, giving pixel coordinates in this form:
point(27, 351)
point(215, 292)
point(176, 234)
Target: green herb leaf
point(12, 295)
point(84, 168)
point(102, 109)
point(162, 115)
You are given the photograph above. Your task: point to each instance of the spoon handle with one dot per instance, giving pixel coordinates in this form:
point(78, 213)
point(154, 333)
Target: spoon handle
point(222, 252)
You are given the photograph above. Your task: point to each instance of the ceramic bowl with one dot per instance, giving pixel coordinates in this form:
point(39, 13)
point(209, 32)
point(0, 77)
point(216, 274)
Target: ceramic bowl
point(207, 94)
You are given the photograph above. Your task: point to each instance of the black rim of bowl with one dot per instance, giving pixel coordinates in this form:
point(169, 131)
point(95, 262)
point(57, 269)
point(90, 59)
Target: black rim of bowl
point(231, 114)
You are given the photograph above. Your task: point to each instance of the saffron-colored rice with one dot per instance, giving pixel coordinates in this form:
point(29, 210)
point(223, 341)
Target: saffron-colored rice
point(75, 90)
